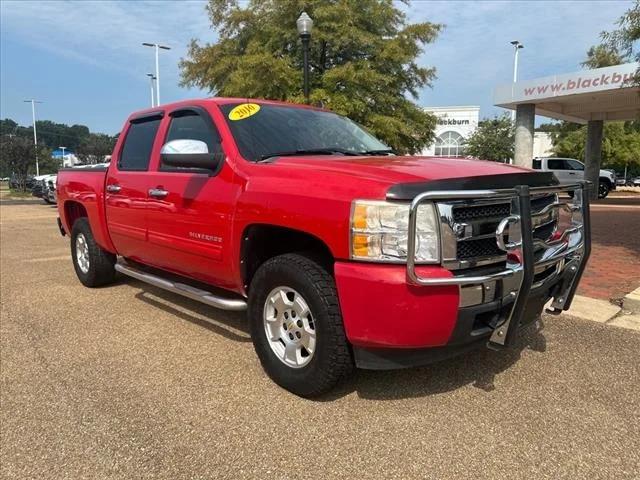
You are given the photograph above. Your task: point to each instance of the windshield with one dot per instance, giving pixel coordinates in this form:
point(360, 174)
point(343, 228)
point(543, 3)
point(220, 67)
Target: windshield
point(264, 131)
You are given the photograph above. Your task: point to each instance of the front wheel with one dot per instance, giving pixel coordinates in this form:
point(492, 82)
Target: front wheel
point(296, 325)
point(603, 190)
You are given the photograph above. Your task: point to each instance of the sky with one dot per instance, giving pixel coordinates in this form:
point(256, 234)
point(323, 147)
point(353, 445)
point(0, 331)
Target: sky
point(85, 62)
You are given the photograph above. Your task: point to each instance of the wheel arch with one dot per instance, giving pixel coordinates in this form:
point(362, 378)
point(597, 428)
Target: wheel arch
point(260, 242)
point(73, 211)
point(606, 180)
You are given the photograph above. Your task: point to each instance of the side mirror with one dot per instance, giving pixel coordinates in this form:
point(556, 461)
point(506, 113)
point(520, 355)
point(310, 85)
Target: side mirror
point(189, 153)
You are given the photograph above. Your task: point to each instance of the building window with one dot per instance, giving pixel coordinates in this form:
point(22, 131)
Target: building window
point(449, 144)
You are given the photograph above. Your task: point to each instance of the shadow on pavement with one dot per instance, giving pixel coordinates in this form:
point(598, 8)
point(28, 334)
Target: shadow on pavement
point(231, 325)
point(478, 368)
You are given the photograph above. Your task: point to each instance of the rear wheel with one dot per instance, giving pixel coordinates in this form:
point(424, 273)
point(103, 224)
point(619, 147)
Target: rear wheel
point(93, 265)
point(296, 325)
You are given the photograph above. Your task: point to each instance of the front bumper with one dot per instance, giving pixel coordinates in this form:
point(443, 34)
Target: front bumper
point(417, 307)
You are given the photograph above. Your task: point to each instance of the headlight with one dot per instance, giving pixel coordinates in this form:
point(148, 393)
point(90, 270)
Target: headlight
point(379, 232)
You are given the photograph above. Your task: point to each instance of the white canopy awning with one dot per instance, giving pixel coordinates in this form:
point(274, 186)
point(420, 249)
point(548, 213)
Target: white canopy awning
point(599, 94)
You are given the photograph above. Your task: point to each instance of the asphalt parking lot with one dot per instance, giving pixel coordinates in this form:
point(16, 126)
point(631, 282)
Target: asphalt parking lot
point(132, 382)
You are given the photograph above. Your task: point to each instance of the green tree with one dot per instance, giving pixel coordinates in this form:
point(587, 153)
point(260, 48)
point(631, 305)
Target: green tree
point(17, 156)
point(600, 56)
point(494, 139)
point(94, 147)
point(363, 61)
point(620, 145)
point(54, 134)
point(625, 37)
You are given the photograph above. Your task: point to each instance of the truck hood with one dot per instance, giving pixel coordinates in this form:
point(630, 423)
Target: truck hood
point(399, 169)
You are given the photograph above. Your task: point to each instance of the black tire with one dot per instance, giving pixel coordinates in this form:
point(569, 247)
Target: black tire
point(100, 269)
point(331, 361)
point(603, 189)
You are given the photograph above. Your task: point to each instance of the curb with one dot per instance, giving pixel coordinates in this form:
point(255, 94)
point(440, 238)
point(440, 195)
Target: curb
point(601, 311)
point(631, 302)
point(592, 309)
point(631, 322)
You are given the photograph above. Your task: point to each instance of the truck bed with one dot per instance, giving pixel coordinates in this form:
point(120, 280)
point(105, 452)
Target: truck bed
point(81, 193)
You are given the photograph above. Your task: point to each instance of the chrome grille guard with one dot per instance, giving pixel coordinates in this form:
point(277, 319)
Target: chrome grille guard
point(572, 248)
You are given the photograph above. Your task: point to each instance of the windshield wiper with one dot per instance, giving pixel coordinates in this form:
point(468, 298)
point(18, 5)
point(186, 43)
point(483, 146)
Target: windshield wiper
point(385, 151)
point(309, 151)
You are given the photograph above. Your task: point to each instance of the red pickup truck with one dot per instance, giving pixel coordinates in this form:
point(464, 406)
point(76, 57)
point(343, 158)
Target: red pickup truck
point(343, 253)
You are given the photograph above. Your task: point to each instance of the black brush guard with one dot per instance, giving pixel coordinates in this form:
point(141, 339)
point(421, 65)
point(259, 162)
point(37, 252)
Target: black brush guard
point(569, 251)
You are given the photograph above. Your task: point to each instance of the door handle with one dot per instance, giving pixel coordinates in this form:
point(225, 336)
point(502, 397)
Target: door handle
point(157, 193)
point(113, 188)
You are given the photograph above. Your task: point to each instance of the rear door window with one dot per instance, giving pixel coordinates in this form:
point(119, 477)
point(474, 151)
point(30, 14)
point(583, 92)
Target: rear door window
point(537, 164)
point(557, 164)
point(138, 144)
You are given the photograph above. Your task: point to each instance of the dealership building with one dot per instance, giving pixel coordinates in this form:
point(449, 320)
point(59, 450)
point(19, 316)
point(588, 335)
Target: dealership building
point(456, 124)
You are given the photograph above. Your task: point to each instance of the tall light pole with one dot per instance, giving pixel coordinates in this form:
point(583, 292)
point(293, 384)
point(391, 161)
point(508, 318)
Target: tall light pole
point(304, 25)
point(516, 47)
point(63, 149)
point(35, 135)
point(152, 79)
point(157, 47)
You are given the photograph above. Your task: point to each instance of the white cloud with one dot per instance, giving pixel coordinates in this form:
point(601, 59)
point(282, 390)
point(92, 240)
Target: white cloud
point(473, 54)
point(108, 34)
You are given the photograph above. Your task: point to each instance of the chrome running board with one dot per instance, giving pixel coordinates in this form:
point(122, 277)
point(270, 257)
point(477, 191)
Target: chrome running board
point(182, 289)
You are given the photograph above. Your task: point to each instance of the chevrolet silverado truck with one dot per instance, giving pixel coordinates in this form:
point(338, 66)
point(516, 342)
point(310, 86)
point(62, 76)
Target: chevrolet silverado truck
point(343, 254)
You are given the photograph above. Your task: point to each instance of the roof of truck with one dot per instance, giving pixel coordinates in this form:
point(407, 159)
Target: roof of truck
point(219, 101)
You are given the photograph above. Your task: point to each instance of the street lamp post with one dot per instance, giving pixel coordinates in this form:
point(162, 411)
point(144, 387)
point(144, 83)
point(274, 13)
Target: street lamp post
point(305, 24)
point(63, 149)
point(152, 79)
point(35, 135)
point(516, 46)
point(157, 48)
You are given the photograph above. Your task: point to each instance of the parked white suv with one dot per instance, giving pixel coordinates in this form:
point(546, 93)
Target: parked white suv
point(570, 170)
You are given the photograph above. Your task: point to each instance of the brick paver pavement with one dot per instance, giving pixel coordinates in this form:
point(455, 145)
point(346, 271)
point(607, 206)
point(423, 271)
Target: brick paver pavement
point(614, 266)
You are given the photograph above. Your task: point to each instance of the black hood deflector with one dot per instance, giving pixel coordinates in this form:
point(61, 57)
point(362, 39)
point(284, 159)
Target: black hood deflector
point(408, 191)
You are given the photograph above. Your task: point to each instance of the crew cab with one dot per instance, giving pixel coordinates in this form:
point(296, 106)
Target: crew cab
point(570, 170)
point(343, 254)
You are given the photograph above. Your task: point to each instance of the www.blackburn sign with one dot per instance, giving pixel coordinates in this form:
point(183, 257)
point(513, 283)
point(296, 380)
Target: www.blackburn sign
point(587, 81)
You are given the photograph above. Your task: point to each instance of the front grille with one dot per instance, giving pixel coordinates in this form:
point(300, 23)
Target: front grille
point(482, 220)
point(543, 232)
point(475, 212)
point(482, 247)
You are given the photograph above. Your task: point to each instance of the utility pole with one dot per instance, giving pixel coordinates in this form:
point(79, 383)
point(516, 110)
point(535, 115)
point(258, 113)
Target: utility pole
point(152, 78)
point(516, 46)
point(35, 134)
point(63, 149)
point(157, 48)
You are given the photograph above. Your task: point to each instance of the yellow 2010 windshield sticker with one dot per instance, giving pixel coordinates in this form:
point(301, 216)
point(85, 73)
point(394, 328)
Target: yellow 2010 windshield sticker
point(244, 110)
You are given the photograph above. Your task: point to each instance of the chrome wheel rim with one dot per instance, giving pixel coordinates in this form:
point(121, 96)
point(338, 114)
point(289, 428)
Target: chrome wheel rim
point(289, 327)
point(82, 253)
